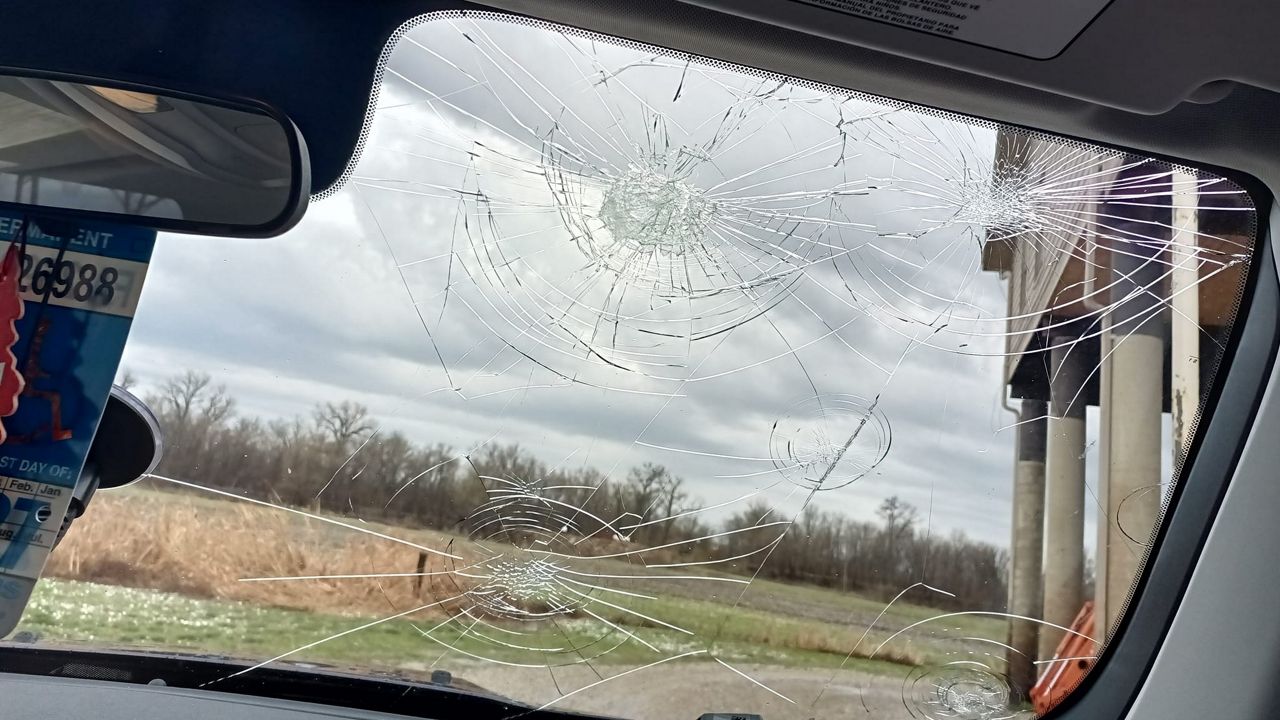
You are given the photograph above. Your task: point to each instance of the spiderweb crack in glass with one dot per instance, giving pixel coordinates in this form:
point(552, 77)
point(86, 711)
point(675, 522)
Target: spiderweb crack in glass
point(649, 212)
point(806, 449)
point(743, 277)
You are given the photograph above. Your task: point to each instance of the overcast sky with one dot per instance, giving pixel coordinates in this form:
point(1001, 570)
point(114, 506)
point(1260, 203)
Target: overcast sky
point(499, 178)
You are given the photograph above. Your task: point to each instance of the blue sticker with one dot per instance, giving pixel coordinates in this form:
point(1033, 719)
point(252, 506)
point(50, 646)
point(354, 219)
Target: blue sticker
point(80, 287)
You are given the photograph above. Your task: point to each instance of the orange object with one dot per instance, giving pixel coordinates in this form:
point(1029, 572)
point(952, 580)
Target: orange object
point(1072, 659)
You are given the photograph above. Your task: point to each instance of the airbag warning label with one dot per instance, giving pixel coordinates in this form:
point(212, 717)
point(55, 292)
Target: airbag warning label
point(1035, 28)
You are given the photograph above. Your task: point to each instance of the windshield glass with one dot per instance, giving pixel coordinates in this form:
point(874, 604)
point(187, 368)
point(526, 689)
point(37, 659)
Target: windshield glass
point(623, 381)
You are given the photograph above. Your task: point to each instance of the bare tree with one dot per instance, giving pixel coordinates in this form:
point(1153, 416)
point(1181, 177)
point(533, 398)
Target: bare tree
point(343, 422)
point(180, 395)
point(653, 493)
point(898, 515)
point(312, 461)
point(127, 379)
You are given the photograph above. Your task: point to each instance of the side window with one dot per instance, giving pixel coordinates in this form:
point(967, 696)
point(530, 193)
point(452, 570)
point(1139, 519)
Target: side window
point(621, 381)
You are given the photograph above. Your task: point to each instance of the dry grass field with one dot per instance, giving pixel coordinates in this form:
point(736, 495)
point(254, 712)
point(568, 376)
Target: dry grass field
point(202, 550)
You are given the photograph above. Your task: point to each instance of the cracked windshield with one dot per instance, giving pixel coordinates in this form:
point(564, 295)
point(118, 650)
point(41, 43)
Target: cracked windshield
point(620, 381)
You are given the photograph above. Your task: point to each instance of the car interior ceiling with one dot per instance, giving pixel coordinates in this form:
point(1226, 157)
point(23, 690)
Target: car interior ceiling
point(1123, 81)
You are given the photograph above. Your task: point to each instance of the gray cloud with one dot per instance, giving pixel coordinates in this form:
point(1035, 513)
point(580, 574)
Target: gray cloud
point(323, 313)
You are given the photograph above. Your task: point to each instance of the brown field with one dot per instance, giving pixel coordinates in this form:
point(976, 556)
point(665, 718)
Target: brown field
point(203, 548)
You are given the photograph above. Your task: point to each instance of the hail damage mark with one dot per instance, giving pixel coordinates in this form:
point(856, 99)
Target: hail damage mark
point(614, 233)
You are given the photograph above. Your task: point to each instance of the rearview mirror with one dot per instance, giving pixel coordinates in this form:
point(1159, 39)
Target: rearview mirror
point(146, 157)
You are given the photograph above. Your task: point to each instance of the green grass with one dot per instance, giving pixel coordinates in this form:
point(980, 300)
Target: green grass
point(104, 615)
point(117, 616)
point(902, 613)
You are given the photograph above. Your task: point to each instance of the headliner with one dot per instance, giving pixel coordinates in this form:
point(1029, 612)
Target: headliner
point(1124, 80)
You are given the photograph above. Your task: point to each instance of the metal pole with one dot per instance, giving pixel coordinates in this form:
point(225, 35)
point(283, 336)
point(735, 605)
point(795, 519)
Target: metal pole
point(1028, 546)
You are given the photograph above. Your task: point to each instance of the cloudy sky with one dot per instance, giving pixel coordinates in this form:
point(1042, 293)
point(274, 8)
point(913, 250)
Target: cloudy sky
point(491, 273)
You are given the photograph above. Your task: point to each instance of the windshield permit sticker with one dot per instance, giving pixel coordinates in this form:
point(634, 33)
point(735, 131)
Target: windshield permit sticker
point(77, 285)
point(1032, 28)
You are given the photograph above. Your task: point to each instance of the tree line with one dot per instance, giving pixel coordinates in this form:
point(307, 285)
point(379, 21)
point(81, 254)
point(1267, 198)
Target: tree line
point(337, 460)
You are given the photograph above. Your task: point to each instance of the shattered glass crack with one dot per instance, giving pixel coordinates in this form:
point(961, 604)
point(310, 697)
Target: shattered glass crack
point(746, 278)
